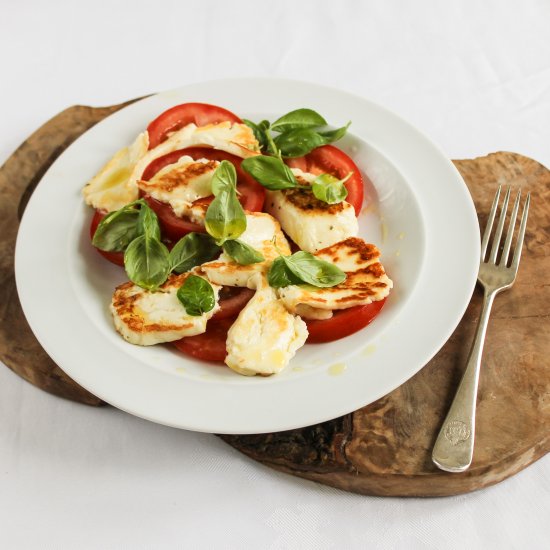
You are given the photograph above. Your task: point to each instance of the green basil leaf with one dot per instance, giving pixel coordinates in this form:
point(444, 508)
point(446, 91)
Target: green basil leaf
point(334, 135)
point(148, 223)
point(271, 172)
point(196, 295)
point(280, 276)
point(225, 218)
point(225, 176)
point(329, 189)
point(259, 130)
point(192, 250)
point(242, 253)
point(312, 270)
point(117, 229)
point(147, 262)
point(298, 119)
point(297, 143)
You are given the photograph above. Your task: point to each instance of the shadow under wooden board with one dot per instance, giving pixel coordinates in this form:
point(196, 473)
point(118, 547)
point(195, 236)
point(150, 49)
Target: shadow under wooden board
point(385, 447)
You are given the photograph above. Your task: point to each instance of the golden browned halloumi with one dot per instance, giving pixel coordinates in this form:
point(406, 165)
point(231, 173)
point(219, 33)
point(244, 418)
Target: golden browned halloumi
point(311, 223)
point(366, 281)
point(146, 318)
point(181, 184)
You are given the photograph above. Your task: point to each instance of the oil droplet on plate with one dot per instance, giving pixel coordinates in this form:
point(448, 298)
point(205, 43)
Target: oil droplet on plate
point(369, 350)
point(398, 253)
point(337, 369)
point(180, 370)
point(298, 369)
point(401, 235)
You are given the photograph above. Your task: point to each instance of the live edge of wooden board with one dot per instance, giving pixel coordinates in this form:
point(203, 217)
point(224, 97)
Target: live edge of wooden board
point(385, 447)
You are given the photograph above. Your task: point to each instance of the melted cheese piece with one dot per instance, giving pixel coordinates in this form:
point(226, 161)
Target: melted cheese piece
point(312, 224)
point(366, 281)
point(262, 233)
point(146, 318)
point(116, 184)
point(109, 190)
point(265, 336)
point(181, 184)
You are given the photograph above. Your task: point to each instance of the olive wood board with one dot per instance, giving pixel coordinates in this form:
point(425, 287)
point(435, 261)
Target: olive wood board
point(384, 448)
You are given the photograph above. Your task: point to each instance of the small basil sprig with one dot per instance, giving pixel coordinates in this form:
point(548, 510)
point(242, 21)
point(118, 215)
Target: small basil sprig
point(118, 229)
point(275, 175)
point(242, 253)
point(191, 250)
point(147, 262)
point(196, 295)
point(225, 219)
point(303, 267)
point(329, 189)
point(300, 132)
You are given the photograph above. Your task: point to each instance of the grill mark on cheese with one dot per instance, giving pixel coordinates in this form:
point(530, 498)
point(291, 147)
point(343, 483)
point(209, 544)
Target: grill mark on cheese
point(304, 199)
point(179, 177)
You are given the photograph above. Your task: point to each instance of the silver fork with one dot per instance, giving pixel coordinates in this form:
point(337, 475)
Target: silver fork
point(454, 447)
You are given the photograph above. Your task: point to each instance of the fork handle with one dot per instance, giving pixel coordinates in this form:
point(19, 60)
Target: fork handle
point(454, 446)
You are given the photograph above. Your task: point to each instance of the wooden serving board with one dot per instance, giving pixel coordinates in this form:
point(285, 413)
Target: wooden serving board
point(383, 448)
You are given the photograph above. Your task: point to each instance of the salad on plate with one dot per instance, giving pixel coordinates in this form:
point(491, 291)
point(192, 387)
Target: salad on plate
point(239, 238)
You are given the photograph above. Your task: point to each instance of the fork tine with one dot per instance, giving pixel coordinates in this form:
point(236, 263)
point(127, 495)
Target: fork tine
point(489, 225)
point(521, 234)
point(500, 227)
point(510, 234)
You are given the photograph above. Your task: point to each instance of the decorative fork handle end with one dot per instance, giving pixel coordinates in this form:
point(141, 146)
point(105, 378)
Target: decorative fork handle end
point(454, 446)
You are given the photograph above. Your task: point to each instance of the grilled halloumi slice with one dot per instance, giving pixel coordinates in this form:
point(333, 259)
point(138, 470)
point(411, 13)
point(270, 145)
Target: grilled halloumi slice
point(108, 189)
point(312, 224)
point(263, 233)
point(146, 318)
point(116, 183)
point(366, 281)
point(265, 336)
point(181, 184)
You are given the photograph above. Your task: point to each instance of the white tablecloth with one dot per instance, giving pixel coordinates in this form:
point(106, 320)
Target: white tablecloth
point(473, 76)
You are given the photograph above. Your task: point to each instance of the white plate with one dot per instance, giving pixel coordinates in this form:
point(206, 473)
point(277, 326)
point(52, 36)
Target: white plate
point(423, 221)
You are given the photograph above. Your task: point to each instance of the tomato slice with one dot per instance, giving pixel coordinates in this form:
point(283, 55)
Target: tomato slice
point(179, 116)
point(343, 323)
point(232, 300)
point(116, 258)
point(328, 159)
point(251, 193)
point(210, 345)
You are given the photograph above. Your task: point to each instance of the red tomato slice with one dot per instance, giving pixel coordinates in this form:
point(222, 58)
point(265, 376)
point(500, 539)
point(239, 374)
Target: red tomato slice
point(343, 323)
point(209, 346)
point(232, 300)
point(328, 159)
point(251, 195)
point(116, 258)
point(179, 116)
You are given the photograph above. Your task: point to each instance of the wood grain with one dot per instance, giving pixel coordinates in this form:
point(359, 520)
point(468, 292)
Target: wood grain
point(384, 448)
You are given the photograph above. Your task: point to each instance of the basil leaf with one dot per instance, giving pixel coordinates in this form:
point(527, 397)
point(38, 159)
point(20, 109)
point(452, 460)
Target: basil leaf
point(312, 270)
point(298, 119)
point(242, 253)
point(280, 276)
point(148, 223)
point(260, 131)
point(224, 176)
point(196, 295)
point(117, 229)
point(147, 262)
point(329, 189)
point(192, 250)
point(271, 172)
point(225, 218)
point(298, 143)
point(334, 135)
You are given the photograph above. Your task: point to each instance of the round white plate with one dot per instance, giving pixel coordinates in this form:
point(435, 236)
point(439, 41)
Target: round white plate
point(421, 216)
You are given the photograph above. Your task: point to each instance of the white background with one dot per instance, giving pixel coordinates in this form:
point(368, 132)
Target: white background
point(475, 77)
